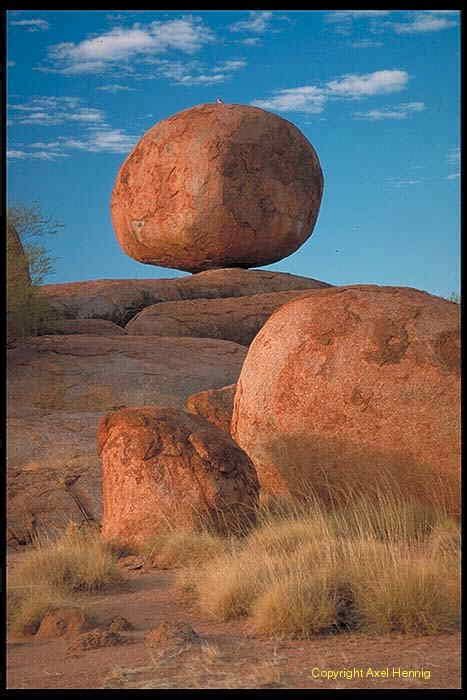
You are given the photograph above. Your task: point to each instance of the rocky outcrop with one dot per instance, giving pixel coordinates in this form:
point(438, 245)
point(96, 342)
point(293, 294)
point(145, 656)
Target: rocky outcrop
point(215, 405)
point(82, 326)
point(163, 468)
point(355, 386)
point(218, 185)
point(121, 300)
point(58, 389)
point(238, 319)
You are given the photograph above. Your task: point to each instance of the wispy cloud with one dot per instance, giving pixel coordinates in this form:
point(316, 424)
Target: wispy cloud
point(402, 182)
point(103, 141)
point(401, 111)
point(114, 89)
point(108, 50)
point(349, 15)
point(422, 22)
point(250, 41)
point(192, 72)
point(31, 25)
point(308, 99)
point(50, 111)
point(257, 23)
point(95, 140)
point(454, 159)
point(11, 64)
point(313, 99)
point(366, 44)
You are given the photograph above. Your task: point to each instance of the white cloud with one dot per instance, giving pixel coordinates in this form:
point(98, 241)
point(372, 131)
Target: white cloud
point(16, 154)
point(46, 154)
point(107, 50)
point(103, 141)
point(308, 99)
point(31, 25)
point(257, 23)
point(96, 140)
point(251, 41)
point(312, 99)
point(377, 83)
point(50, 111)
point(11, 64)
point(453, 176)
point(114, 89)
point(348, 15)
point(422, 22)
point(192, 72)
point(401, 111)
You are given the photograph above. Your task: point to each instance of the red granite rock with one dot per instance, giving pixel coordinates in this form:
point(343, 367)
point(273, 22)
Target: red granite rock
point(236, 318)
point(215, 405)
point(121, 300)
point(355, 387)
point(217, 185)
point(165, 468)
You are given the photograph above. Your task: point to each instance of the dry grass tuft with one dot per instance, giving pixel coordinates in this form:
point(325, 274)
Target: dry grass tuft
point(178, 548)
point(377, 565)
point(53, 571)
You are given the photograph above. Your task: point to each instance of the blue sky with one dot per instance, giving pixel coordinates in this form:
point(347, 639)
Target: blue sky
point(376, 93)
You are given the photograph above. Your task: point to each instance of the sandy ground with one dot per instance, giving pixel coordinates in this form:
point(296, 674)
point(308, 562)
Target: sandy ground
point(231, 658)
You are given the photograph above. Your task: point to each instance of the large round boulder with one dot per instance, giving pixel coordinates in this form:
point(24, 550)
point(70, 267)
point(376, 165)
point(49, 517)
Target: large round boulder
point(355, 388)
point(164, 468)
point(218, 185)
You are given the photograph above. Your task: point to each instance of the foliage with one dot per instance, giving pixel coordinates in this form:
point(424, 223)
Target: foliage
point(28, 265)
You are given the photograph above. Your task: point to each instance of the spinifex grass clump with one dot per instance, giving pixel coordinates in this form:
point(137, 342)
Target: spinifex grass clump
point(377, 565)
point(53, 572)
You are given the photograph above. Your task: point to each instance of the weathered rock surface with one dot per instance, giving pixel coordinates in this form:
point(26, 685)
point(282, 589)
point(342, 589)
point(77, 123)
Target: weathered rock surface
point(121, 300)
point(165, 468)
point(218, 185)
point(172, 639)
point(62, 622)
point(351, 386)
point(58, 389)
point(237, 318)
point(82, 326)
point(215, 405)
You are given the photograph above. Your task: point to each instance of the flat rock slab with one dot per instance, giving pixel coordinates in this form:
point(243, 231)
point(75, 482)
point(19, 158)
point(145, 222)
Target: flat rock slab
point(82, 326)
point(58, 389)
point(121, 300)
point(237, 318)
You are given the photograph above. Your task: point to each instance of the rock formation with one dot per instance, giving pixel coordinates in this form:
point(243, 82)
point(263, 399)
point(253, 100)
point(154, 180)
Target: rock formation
point(164, 468)
point(215, 405)
point(355, 386)
point(237, 318)
point(58, 389)
point(121, 300)
point(218, 185)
